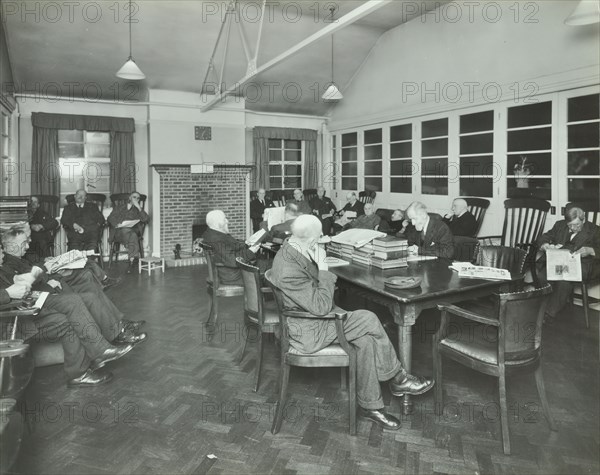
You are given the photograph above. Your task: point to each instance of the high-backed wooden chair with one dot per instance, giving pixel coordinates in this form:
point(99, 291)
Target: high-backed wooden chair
point(514, 343)
point(118, 199)
point(98, 199)
point(524, 221)
point(367, 196)
point(309, 194)
point(465, 248)
point(334, 355)
point(477, 207)
point(51, 205)
point(258, 313)
point(214, 287)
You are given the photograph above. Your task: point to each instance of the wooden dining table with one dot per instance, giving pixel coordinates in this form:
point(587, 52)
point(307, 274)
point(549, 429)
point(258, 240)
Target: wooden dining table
point(439, 284)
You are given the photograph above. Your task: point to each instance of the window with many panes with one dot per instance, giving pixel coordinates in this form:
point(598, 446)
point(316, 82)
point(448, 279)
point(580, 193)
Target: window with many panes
point(285, 164)
point(434, 157)
point(476, 161)
point(583, 150)
point(529, 151)
point(5, 153)
point(84, 159)
point(373, 149)
point(401, 164)
point(350, 161)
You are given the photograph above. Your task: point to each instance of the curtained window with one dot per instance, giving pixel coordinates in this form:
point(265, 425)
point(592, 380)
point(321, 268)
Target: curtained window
point(91, 152)
point(285, 158)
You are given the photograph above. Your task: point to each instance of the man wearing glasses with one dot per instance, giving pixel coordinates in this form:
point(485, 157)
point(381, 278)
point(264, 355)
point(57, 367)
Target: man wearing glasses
point(578, 236)
point(127, 223)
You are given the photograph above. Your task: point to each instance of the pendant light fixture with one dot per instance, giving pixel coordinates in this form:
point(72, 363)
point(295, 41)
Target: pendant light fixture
point(586, 12)
point(332, 93)
point(130, 70)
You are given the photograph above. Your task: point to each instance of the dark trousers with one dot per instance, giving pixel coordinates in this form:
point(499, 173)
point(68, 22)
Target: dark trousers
point(130, 239)
point(376, 357)
point(87, 241)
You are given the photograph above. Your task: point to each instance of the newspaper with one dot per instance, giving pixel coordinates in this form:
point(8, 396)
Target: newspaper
point(69, 260)
point(470, 271)
point(274, 216)
point(346, 218)
point(562, 265)
point(128, 223)
point(256, 238)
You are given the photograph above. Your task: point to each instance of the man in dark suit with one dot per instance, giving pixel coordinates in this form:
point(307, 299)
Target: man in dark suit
point(226, 248)
point(282, 231)
point(461, 222)
point(257, 208)
point(83, 222)
point(42, 230)
point(303, 206)
point(64, 318)
point(578, 236)
point(324, 209)
point(428, 237)
point(394, 223)
point(301, 272)
point(352, 205)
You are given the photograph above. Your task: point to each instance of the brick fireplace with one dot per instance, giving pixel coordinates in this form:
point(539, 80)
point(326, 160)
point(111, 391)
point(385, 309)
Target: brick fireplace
point(186, 197)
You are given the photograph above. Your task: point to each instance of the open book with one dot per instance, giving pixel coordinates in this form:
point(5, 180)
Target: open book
point(346, 218)
point(562, 265)
point(130, 223)
point(357, 237)
point(274, 216)
point(256, 238)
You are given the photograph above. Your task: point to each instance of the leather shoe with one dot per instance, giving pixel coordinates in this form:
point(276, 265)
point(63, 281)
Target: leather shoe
point(90, 378)
point(111, 354)
point(382, 419)
point(132, 325)
point(129, 336)
point(412, 385)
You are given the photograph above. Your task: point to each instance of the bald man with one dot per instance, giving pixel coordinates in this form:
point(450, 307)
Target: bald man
point(324, 209)
point(226, 248)
point(461, 222)
point(369, 220)
point(300, 271)
point(83, 222)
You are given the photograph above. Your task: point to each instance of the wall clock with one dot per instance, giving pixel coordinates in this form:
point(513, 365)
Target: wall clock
point(203, 133)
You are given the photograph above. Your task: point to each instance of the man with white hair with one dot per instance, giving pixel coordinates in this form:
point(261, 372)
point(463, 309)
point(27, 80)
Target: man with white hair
point(257, 208)
point(353, 206)
point(428, 237)
point(369, 220)
point(226, 248)
point(301, 272)
point(324, 209)
point(461, 222)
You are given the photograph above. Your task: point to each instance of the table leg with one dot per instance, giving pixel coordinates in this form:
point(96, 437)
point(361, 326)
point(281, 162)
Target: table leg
point(405, 354)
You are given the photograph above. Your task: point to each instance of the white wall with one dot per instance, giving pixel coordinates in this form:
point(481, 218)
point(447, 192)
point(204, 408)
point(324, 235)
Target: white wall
point(465, 56)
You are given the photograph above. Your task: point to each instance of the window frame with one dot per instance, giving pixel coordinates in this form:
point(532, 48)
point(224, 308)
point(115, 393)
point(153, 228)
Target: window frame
point(282, 163)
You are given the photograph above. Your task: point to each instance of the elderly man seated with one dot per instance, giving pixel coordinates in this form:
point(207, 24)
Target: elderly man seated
point(303, 205)
point(257, 208)
point(353, 207)
point(324, 209)
point(282, 231)
point(301, 272)
point(461, 222)
point(83, 222)
point(397, 224)
point(123, 231)
point(428, 237)
point(578, 236)
point(42, 230)
point(369, 220)
point(227, 248)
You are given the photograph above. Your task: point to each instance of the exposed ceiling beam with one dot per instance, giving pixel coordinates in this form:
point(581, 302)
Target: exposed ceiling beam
point(355, 15)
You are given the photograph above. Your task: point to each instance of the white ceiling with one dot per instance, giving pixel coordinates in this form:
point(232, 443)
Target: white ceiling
point(57, 49)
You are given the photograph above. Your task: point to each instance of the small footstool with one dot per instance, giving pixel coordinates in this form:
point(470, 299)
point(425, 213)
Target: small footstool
point(150, 264)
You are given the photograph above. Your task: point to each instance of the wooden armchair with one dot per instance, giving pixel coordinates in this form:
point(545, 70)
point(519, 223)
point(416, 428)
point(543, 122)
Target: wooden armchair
point(516, 343)
point(118, 199)
point(214, 288)
point(309, 194)
point(258, 313)
point(334, 355)
point(477, 207)
point(367, 196)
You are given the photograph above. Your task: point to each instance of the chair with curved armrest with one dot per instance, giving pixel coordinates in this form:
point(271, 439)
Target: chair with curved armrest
point(334, 355)
point(367, 196)
point(214, 287)
point(477, 207)
point(118, 199)
point(466, 248)
point(263, 315)
point(516, 343)
point(309, 194)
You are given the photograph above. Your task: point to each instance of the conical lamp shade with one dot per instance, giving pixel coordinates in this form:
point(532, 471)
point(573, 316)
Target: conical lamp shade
point(332, 93)
point(586, 13)
point(131, 71)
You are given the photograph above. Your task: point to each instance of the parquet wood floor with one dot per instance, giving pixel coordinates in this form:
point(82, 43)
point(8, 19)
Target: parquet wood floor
point(178, 399)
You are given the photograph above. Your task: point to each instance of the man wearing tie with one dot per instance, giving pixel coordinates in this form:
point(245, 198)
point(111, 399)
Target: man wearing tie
point(257, 208)
point(83, 222)
point(578, 236)
point(428, 237)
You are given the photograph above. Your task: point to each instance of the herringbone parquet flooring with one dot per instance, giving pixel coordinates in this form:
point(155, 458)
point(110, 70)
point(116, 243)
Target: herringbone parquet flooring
point(182, 404)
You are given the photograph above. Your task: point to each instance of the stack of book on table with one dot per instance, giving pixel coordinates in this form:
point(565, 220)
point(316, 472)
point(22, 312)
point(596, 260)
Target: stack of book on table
point(348, 244)
point(389, 252)
point(13, 209)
